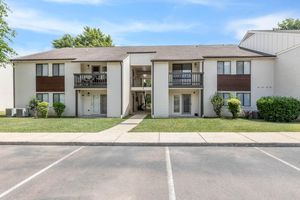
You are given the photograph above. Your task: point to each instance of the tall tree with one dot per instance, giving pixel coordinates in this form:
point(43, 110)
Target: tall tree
point(6, 35)
point(289, 24)
point(65, 41)
point(91, 37)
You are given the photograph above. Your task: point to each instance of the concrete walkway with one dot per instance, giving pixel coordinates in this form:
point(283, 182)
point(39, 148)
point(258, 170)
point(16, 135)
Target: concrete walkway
point(120, 135)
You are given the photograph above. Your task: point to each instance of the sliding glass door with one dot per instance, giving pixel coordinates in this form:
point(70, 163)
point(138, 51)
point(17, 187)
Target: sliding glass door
point(186, 104)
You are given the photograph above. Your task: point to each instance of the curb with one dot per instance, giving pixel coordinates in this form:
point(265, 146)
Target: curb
point(139, 144)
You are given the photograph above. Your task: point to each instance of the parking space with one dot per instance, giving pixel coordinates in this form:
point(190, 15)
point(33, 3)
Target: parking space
point(233, 173)
point(143, 173)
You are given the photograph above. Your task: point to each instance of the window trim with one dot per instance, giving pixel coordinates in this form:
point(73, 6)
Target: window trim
point(243, 103)
point(243, 61)
point(59, 98)
point(42, 93)
point(42, 70)
point(179, 109)
point(59, 66)
point(224, 67)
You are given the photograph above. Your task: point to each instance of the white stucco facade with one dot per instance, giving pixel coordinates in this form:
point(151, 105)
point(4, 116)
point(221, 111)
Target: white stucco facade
point(25, 83)
point(6, 87)
point(270, 42)
point(160, 90)
point(287, 73)
point(114, 94)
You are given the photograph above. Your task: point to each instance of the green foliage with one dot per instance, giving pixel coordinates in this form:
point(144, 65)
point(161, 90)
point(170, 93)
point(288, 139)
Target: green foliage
point(234, 106)
point(59, 108)
point(33, 104)
point(43, 109)
point(289, 24)
point(278, 109)
point(66, 41)
point(6, 35)
point(218, 102)
point(91, 37)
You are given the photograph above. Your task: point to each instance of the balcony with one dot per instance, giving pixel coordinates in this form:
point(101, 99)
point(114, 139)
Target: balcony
point(90, 80)
point(186, 80)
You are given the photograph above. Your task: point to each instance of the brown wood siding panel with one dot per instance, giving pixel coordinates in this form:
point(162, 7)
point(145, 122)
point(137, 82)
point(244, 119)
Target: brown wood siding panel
point(234, 82)
point(50, 84)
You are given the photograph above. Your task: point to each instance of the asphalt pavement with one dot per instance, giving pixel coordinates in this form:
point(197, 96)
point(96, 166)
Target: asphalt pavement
point(95, 172)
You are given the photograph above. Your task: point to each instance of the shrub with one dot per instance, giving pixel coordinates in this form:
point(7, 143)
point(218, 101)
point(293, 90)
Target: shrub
point(43, 109)
point(33, 104)
point(278, 109)
point(59, 108)
point(234, 106)
point(218, 102)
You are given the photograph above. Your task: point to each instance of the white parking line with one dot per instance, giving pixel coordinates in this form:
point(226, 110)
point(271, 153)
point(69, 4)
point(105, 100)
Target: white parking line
point(38, 173)
point(280, 160)
point(171, 187)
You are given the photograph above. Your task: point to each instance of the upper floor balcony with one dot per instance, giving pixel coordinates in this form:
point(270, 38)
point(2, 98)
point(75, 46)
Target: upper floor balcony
point(186, 80)
point(90, 80)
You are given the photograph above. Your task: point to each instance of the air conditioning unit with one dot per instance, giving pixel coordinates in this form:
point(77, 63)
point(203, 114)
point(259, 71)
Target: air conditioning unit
point(21, 112)
point(10, 112)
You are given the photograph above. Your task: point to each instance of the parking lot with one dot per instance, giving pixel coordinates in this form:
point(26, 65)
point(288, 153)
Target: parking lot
point(72, 172)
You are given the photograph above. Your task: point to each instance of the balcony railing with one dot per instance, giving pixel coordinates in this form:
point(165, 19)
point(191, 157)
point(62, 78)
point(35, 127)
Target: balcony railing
point(186, 80)
point(90, 80)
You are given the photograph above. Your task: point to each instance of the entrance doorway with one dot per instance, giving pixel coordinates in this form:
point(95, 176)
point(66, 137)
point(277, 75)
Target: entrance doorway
point(141, 102)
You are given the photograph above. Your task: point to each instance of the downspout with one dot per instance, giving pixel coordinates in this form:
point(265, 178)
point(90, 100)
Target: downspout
point(76, 103)
point(152, 92)
point(121, 64)
point(202, 92)
point(14, 86)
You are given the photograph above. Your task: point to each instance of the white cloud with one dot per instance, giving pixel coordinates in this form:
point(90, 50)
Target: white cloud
point(92, 2)
point(146, 26)
point(241, 26)
point(30, 19)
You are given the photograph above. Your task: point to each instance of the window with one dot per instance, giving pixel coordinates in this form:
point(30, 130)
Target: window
point(95, 69)
point(245, 98)
point(104, 69)
point(176, 103)
point(42, 97)
point(243, 67)
point(224, 67)
point(58, 69)
point(41, 69)
point(225, 96)
point(58, 97)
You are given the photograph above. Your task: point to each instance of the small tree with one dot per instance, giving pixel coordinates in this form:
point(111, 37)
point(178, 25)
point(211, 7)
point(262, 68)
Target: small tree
point(43, 109)
point(33, 104)
point(218, 102)
point(6, 35)
point(234, 106)
point(59, 108)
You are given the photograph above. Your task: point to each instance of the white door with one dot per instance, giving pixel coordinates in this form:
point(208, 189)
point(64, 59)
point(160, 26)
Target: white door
point(96, 104)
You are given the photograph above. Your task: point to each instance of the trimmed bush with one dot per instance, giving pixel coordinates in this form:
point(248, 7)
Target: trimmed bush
point(218, 102)
point(234, 106)
point(59, 108)
point(43, 109)
point(278, 109)
point(33, 104)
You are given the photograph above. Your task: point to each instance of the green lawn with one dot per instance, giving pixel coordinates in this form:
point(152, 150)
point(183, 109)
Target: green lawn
point(213, 125)
point(56, 124)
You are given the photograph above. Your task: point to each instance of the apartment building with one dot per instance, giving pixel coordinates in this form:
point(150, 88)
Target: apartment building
point(166, 81)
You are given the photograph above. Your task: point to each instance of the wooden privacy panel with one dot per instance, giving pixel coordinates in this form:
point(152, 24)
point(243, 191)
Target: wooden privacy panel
point(50, 84)
point(234, 82)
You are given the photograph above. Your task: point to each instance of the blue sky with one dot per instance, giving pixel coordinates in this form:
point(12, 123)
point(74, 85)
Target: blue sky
point(142, 22)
